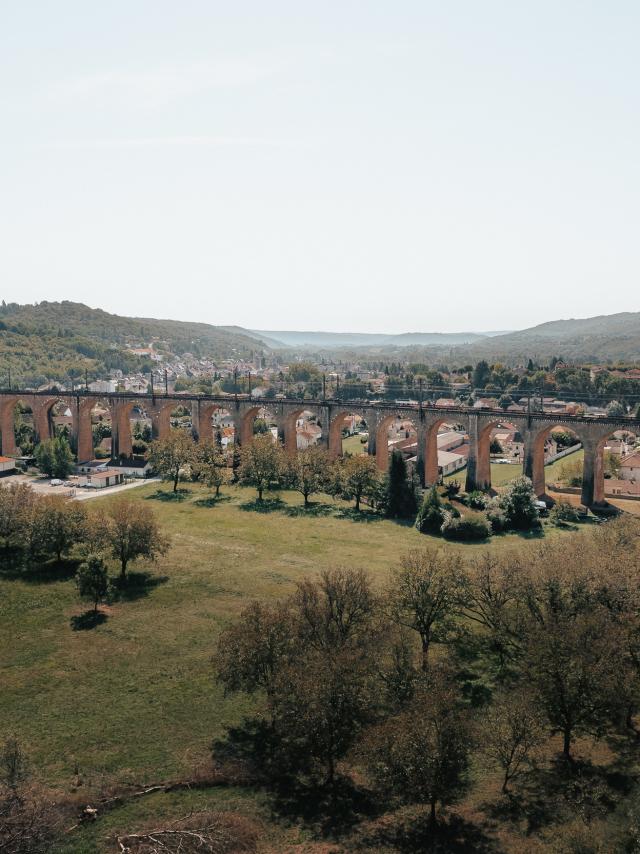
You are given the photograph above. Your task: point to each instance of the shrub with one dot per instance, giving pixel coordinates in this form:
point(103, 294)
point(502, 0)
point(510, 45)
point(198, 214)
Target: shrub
point(465, 529)
point(431, 514)
point(497, 517)
point(564, 513)
point(518, 503)
point(452, 489)
point(477, 500)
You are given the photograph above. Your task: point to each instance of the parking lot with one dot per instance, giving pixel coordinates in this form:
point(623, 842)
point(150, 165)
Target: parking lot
point(43, 485)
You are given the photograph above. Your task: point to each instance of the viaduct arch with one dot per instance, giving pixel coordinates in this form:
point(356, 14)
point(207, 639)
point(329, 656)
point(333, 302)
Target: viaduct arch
point(534, 427)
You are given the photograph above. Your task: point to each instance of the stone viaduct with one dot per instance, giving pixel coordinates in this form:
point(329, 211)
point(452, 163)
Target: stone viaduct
point(478, 423)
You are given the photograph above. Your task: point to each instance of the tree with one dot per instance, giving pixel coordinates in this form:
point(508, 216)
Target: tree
point(171, 455)
point(481, 374)
point(336, 611)
point(358, 476)
point(261, 463)
point(210, 465)
point(320, 706)
point(260, 426)
point(505, 401)
point(315, 655)
point(431, 514)
point(570, 665)
point(252, 650)
point(422, 595)
point(57, 524)
point(54, 457)
point(133, 532)
point(572, 645)
point(615, 409)
point(92, 579)
point(422, 754)
point(512, 730)
point(16, 508)
point(612, 464)
point(308, 471)
point(518, 501)
point(400, 499)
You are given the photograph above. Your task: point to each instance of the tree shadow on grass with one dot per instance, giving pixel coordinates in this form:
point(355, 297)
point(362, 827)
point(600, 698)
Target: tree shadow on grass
point(135, 585)
point(250, 753)
point(16, 567)
point(454, 835)
point(87, 621)
point(533, 534)
point(165, 495)
point(358, 515)
point(211, 500)
point(267, 505)
point(546, 796)
point(329, 810)
point(314, 509)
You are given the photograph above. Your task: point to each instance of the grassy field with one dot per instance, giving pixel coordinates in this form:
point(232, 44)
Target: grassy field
point(133, 699)
point(503, 473)
point(354, 445)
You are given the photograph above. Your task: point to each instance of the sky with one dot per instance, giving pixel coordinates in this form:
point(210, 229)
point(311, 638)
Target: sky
point(340, 166)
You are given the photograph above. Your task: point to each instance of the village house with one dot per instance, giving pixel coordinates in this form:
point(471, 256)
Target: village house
point(7, 466)
point(448, 462)
point(101, 478)
point(630, 467)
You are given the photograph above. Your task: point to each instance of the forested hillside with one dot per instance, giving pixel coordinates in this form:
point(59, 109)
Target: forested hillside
point(593, 339)
point(55, 340)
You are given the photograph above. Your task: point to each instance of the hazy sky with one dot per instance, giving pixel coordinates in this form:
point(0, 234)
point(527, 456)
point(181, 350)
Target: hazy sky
point(367, 166)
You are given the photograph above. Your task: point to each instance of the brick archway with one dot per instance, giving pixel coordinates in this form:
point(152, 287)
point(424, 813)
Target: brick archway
point(335, 431)
point(382, 438)
point(7, 432)
point(431, 468)
point(537, 474)
point(483, 458)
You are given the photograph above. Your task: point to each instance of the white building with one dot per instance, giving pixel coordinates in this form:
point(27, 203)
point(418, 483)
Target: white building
point(104, 386)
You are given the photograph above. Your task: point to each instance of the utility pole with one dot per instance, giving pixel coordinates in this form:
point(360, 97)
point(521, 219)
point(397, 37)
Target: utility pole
point(166, 384)
point(324, 386)
point(153, 395)
point(86, 380)
point(338, 386)
point(249, 379)
point(9, 379)
point(420, 392)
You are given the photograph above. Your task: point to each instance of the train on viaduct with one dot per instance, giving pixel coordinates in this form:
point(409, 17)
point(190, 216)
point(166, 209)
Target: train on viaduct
point(534, 428)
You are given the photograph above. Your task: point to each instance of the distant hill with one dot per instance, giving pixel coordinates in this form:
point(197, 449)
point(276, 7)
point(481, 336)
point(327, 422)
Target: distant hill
point(333, 340)
point(604, 338)
point(49, 339)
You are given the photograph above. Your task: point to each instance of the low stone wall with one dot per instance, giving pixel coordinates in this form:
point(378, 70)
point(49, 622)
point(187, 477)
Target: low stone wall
point(575, 490)
point(564, 453)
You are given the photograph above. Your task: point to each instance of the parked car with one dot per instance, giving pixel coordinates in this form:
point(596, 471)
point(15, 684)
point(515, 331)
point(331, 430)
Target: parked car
point(542, 508)
point(56, 482)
